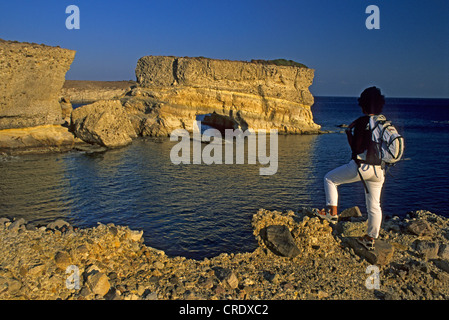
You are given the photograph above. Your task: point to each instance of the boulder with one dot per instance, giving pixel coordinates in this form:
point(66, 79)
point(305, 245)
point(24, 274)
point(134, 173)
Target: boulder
point(426, 249)
point(98, 283)
point(104, 122)
point(420, 228)
point(279, 240)
point(16, 224)
point(381, 255)
point(37, 139)
point(351, 212)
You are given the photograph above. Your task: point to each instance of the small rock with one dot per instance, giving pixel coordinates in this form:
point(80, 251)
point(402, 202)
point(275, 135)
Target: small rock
point(381, 255)
point(226, 276)
point(3, 221)
point(206, 283)
point(135, 235)
point(279, 240)
point(427, 249)
point(37, 269)
point(420, 228)
point(232, 281)
point(442, 264)
point(98, 283)
point(15, 225)
point(113, 294)
point(351, 212)
point(443, 251)
point(322, 294)
point(174, 280)
point(272, 277)
point(151, 296)
point(62, 260)
point(14, 285)
point(113, 230)
point(59, 224)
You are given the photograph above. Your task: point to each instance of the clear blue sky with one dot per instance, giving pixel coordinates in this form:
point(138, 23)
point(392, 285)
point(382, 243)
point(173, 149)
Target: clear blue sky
point(407, 57)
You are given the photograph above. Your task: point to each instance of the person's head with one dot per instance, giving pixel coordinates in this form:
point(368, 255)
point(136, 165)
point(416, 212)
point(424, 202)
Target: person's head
point(372, 101)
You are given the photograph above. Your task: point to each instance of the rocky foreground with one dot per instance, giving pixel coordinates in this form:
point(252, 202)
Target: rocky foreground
point(299, 257)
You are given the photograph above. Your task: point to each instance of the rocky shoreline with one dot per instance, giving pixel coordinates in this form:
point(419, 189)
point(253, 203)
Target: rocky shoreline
point(60, 261)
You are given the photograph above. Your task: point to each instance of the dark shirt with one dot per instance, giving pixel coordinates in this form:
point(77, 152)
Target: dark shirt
point(359, 138)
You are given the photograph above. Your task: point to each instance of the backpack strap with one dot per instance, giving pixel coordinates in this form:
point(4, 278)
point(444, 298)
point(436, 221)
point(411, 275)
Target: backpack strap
point(361, 178)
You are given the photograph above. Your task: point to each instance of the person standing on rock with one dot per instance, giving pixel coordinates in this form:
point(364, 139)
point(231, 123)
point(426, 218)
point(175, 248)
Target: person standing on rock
point(359, 137)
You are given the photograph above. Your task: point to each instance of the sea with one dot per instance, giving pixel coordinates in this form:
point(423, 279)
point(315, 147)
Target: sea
point(200, 210)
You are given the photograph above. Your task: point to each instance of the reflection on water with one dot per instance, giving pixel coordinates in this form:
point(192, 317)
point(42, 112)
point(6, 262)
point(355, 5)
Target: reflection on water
point(191, 210)
point(203, 210)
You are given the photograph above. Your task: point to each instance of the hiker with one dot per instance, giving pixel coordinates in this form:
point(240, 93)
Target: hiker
point(364, 166)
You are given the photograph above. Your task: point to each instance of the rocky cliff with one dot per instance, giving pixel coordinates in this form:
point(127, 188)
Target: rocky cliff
point(173, 91)
point(31, 77)
point(82, 92)
point(113, 262)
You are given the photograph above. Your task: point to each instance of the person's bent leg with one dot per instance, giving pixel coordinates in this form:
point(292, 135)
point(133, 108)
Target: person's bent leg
point(344, 174)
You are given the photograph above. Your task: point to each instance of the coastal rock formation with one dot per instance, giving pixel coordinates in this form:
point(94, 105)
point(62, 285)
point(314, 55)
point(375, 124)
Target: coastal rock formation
point(31, 77)
point(83, 91)
point(36, 139)
point(103, 122)
point(112, 262)
point(173, 91)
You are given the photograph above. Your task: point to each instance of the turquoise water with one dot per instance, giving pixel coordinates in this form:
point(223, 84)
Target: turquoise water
point(202, 210)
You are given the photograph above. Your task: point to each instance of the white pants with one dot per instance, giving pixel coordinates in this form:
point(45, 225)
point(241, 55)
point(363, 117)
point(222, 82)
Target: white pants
point(374, 179)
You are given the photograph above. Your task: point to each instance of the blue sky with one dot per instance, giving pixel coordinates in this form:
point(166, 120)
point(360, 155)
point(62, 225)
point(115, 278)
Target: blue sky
point(407, 57)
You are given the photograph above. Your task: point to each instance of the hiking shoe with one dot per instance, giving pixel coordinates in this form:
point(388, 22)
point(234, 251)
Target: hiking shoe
point(367, 242)
point(326, 215)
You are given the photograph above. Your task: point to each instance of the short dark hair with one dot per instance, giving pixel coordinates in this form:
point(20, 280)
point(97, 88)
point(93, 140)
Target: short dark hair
point(372, 101)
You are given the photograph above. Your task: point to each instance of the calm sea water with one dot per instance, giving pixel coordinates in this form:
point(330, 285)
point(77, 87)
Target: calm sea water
point(202, 210)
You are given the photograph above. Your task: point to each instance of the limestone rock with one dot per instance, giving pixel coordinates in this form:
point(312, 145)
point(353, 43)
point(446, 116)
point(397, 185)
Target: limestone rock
point(16, 224)
point(278, 239)
point(66, 109)
point(227, 276)
point(381, 255)
point(351, 212)
point(420, 228)
point(442, 264)
point(62, 260)
point(427, 249)
point(98, 283)
point(36, 139)
point(84, 91)
point(31, 77)
point(443, 251)
point(58, 224)
point(174, 90)
point(103, 122)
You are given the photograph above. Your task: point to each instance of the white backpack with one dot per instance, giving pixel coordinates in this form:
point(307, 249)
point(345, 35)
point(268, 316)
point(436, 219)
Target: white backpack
point(389, 144)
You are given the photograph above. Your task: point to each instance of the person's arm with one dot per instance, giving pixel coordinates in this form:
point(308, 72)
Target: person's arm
point(355, 136)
